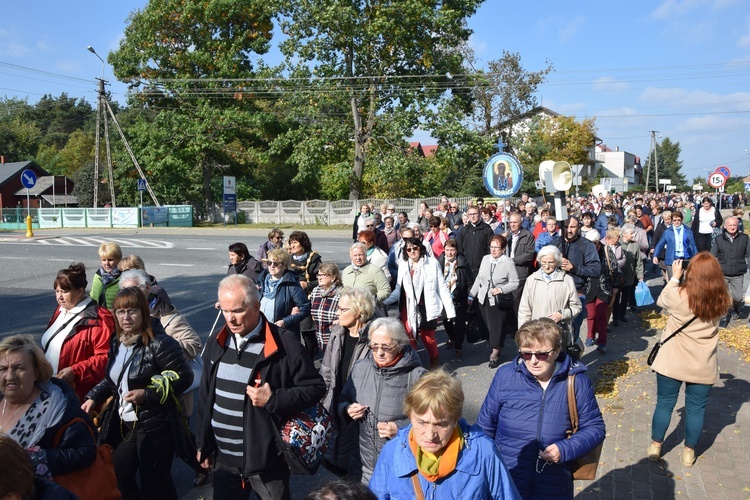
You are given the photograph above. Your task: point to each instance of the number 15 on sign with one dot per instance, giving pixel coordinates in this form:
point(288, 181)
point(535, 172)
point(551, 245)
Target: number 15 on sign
point(716, 180)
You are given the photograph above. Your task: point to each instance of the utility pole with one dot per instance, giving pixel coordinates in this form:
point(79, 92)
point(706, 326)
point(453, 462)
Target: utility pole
point(102, 109)
point(652, 151)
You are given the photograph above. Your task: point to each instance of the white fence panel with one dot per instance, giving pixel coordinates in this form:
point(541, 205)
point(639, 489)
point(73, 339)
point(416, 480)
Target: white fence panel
point(50, 218)
point(99, 217)
point(74, 217)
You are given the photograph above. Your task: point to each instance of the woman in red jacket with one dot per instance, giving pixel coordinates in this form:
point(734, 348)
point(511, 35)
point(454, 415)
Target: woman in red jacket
point(76, 342)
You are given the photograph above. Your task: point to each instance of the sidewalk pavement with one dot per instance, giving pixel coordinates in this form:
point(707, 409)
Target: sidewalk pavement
point(722, 468)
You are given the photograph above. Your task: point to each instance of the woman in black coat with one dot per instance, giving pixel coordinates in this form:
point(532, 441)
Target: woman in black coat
point(143, 421)
point(458, 277)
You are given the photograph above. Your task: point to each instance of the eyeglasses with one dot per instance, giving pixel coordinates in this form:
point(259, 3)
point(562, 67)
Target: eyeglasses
point(495, 247)
point(412, 249)
point(321, 275)
point(130, 313)
point(272, 263)
point(369, 225)
point(385, 348)
point(541, 356)
point(473, 214)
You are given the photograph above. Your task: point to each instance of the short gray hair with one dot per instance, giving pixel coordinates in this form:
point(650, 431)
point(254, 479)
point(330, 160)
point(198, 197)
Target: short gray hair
point(393, 328)
point(359, 245)
point(140, 276)
point(550, 250)
point(628, 228)
point(241, 282)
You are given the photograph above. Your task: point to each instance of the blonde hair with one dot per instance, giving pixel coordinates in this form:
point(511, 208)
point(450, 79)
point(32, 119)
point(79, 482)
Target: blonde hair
point(131, 262)
point(110, 250)
point(437, 392)
point(281, 256)
point(27, 344)
point(361, 302)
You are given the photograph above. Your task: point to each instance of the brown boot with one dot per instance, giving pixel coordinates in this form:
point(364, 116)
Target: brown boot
point(434, 363)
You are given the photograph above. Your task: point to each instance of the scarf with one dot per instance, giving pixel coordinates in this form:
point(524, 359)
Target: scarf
point(108, 277)
point(332, 290)
point(270, 286)
point(449, 273)
point(437, 466)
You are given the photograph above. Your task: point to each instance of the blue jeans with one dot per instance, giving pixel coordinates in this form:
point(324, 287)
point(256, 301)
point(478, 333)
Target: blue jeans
point(696, 396)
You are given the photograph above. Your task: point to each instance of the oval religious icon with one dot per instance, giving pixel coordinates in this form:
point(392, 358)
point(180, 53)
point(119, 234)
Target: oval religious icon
point(502, 175)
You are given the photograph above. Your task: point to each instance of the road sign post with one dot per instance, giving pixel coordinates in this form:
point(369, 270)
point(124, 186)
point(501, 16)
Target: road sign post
point(28, 179)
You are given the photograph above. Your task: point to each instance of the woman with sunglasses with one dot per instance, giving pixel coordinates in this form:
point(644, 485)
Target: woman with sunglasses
point(526, 413)
point(281, 292)
point(275, 240)
point(348, 344)
point(374, 393)
point(422, 295)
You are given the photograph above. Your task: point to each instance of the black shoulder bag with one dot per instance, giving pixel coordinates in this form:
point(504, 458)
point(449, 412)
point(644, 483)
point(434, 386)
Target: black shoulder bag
point(655, 350)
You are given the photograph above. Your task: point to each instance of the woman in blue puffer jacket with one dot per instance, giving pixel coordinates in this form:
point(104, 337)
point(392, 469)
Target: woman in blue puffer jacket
point(526, 413)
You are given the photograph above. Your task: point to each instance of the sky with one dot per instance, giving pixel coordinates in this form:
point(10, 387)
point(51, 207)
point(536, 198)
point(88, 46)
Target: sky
point(679, 67)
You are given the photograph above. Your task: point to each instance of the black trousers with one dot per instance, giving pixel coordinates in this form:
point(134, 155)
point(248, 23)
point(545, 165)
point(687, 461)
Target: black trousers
point(136, 454)
point(456, 328)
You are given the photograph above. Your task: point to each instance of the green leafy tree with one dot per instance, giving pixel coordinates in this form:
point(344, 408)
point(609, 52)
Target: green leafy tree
point(181, 55)
point(58, 117)
point(559, 138)
point(367, 47)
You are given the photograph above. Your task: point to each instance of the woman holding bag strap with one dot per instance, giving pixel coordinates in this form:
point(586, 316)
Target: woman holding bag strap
point(691, 356)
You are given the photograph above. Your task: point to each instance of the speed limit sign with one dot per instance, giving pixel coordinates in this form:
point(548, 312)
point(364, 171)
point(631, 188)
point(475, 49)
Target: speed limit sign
point(716, 180)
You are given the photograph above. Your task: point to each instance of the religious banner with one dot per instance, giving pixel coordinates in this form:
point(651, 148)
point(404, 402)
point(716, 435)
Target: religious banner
point(502, 175)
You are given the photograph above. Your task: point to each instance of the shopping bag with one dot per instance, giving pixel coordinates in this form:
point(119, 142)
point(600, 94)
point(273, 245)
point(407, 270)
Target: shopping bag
point(643, 295)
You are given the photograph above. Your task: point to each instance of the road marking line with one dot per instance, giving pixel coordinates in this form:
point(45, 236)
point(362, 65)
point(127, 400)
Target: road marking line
point(13, 258)
point(176, 265)
point(199, 248)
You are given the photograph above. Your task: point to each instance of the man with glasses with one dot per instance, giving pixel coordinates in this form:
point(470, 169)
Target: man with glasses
point(254, 370)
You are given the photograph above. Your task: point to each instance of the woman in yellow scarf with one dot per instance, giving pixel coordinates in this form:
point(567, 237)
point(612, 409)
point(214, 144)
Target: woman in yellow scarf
point(439, 455)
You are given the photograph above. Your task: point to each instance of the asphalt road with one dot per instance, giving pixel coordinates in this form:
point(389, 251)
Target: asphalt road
point(189, 264)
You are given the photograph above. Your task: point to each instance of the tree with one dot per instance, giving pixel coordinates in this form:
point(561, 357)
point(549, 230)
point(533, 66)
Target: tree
point(182, 55)
point(669, 164)
point(504, 92)
point(559, 138)
point(366, 48)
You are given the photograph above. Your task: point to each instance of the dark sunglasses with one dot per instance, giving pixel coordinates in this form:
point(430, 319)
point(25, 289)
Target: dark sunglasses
point(541, 356)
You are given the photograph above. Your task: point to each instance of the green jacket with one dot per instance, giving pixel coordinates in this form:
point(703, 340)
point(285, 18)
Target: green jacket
point(100, 295)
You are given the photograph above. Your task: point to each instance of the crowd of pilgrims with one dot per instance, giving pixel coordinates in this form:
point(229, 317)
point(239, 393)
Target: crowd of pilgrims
point(485, 272)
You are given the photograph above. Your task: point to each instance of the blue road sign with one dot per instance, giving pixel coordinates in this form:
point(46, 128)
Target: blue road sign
point(747, 186)
point(28, 178)
point(141, 184)
point(230, 203)
point(724, 170)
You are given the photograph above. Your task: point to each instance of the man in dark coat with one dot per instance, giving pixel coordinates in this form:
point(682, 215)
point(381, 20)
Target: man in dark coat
point(732, 249)
point(581, 262)
point(520, 249)
point(253, 371)
point(474, 240)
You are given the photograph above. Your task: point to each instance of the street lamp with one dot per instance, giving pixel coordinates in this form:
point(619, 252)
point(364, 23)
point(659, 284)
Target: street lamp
point(91, 49)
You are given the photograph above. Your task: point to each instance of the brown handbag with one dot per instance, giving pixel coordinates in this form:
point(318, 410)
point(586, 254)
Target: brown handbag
point(583, 468)
point(96, 481)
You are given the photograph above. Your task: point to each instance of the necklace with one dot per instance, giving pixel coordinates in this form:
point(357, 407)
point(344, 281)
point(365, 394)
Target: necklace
point(2, 418)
